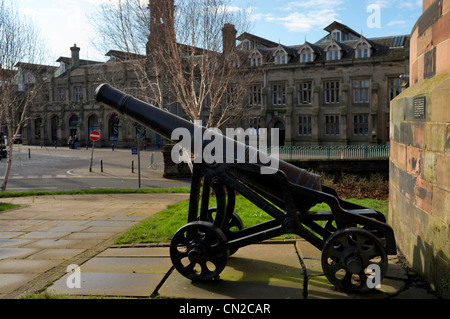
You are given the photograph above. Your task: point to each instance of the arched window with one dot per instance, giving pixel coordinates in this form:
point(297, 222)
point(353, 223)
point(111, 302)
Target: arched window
point(113, 125)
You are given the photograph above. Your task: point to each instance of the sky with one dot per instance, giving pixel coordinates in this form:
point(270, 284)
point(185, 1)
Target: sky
point(64, 23)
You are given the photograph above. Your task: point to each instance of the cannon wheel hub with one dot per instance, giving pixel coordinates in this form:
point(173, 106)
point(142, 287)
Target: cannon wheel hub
point(347, 256)
point(199, 251)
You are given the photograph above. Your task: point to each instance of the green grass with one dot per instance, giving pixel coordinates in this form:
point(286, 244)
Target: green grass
point(7, 206)
point(10, 194)
point(165, 224)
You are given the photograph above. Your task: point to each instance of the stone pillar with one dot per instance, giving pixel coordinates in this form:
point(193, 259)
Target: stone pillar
point(419, 185)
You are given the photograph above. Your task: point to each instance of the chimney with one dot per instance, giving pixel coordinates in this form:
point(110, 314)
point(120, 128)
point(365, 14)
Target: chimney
point(75, 56)
point(229, 38)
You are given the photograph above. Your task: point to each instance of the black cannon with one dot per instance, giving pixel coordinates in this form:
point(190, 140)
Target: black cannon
point(354, 240)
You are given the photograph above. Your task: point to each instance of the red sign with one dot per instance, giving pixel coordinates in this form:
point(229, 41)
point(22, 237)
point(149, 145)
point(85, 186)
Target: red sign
point(94, 136)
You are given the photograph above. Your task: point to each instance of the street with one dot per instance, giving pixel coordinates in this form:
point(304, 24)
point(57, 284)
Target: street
point(50, 168)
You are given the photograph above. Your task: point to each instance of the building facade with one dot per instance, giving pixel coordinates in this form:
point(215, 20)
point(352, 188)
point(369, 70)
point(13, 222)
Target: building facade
point(335, 91)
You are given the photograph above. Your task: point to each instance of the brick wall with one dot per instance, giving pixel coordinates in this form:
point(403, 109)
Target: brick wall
point(419, 169)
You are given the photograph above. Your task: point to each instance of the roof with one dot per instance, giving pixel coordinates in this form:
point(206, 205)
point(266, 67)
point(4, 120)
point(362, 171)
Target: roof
point(384, 46)
point(124, 55)
point(82, 62)
point(257, 39)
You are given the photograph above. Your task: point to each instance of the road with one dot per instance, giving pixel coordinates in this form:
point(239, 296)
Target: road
point(50, 168)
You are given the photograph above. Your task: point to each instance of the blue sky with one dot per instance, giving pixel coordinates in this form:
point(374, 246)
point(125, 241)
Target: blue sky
point(65, 22)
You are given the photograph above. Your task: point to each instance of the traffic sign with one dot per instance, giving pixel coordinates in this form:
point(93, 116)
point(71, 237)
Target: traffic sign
point(94, 136)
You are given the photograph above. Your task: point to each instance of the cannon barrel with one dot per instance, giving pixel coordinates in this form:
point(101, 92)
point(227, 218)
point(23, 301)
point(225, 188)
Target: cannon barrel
point(164, 123)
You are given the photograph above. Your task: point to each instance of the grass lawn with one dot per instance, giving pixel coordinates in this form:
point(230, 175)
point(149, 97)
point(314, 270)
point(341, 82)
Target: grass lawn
point(165, 224)
point(7, 206)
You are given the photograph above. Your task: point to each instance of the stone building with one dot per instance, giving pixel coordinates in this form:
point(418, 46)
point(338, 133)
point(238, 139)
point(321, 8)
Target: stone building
point(334, 91)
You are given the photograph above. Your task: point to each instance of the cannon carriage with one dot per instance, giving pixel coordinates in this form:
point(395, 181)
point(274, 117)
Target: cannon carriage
point(354, 240)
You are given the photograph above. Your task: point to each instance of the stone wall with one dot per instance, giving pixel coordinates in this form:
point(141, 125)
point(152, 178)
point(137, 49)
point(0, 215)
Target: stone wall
point(420, 152)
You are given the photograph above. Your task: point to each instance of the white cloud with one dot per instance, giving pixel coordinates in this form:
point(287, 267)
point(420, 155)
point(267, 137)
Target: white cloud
point(396, 23)
point(306, 15)
point(304, 22)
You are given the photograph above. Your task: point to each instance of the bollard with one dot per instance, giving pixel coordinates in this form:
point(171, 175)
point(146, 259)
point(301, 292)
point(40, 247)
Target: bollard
point(101, 166)
point(132, 166)
point(29, 153)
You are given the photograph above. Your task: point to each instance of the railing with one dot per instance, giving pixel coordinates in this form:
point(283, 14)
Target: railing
point(311, 152)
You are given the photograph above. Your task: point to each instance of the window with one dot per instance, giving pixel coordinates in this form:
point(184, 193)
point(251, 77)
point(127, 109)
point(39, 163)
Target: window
point(332, 125)
point(61, 92)
point(304, 93)
point(281, 59)
point(361, 125)
point(304, 125)
point(361, 91)
point(255, 60)
point(337, 35)
point(333, 55)
point(279, 94)
point(395, 87)
point(362, 53)
point(77, 93)
point(331, 89)
point(306, 55)
point(254, 95)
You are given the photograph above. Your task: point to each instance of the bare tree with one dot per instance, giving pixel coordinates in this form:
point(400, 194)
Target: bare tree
point(191, 55)
point(21, 79)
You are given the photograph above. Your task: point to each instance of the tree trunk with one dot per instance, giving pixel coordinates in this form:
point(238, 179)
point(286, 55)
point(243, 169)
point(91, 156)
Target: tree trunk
point(8, 166)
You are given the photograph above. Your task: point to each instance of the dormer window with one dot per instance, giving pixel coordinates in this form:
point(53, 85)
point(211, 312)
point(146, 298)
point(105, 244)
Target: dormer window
point(281, 58)
point(334, 52)
point(363, 49)
point(306, 55)
point(255, 59)
point(336, 35)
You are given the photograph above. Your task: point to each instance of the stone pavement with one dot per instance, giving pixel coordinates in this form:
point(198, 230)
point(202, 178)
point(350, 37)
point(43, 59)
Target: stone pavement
point(49, 233)
point(39, 241)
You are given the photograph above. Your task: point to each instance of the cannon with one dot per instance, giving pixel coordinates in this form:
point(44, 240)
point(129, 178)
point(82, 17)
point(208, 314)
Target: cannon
point(354, 240)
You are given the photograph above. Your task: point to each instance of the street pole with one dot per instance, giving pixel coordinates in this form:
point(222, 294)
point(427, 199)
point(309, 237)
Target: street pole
point(92, 156)
point(139, 162)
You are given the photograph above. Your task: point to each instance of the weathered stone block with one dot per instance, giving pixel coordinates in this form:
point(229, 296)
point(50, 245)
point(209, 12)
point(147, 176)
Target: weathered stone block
point(443, 170)
point(406, 133)
point(429, 167)
point(418, 131)
point(407, 185)
point(413, 158)
point(423, 194)
point(441, 203)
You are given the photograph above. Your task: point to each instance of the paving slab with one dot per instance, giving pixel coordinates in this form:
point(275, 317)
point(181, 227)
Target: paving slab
point(130, 265)
point(269, 271)
point(109, 284)
point(10, 282)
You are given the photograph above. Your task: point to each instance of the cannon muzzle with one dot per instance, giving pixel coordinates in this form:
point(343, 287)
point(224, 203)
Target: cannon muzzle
point(164, 123)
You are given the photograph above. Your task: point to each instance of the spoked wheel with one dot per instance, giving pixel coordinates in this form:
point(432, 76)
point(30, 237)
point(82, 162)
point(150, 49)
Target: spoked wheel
point(234, 224)
point(350, 255)
point(199, 251)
